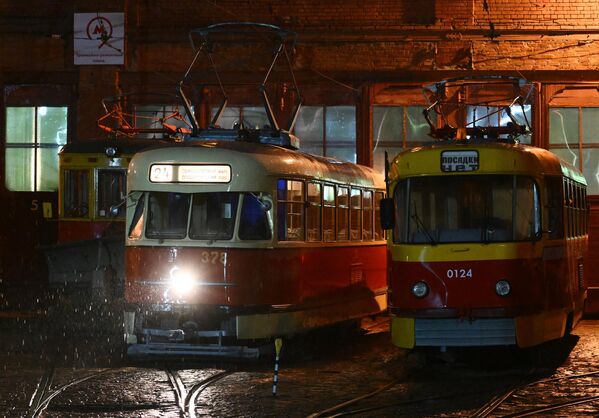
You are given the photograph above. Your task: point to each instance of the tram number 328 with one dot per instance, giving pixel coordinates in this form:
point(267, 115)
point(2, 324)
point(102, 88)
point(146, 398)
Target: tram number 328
point(459, 273)
point(213, 257)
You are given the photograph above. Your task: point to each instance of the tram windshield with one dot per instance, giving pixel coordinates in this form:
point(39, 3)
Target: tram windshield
point(445, 209)
point(202, 216)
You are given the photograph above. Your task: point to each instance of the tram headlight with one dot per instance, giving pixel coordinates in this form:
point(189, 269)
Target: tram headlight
point(110, 151)
point(503, 288)
point(181, 281)
point(420, 289)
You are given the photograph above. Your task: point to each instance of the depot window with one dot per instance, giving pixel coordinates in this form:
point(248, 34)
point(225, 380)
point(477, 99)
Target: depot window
point(246, 117)
point(574, 137)
point(329, 131)
point(395, 128)
point(152, 117)
point(484, 116)
point(34, 135)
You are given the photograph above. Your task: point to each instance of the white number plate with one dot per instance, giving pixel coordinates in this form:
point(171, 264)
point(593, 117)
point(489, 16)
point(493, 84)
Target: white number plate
point(459, 273)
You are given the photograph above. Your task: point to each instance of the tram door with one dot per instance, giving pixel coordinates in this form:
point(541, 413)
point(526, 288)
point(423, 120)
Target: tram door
point(34, 128)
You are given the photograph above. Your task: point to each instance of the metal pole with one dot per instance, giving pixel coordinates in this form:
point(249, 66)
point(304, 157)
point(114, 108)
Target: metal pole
point(275, 380)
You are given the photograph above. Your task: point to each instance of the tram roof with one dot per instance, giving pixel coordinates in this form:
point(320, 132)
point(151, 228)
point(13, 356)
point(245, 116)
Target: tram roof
point(251, 164)
point(121, 145)
point(494, 158)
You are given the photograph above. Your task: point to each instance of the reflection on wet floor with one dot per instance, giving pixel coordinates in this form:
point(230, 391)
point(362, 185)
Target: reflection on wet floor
point(317, 373)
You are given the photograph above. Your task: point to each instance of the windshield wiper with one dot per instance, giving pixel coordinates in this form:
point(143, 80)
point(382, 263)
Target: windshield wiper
point(422, 227)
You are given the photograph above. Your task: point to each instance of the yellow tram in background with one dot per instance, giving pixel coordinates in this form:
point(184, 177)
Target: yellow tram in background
point(488, 236)
point(88, 257)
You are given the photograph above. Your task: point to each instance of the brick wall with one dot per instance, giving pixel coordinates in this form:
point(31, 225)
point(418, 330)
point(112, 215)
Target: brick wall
point(347, 41)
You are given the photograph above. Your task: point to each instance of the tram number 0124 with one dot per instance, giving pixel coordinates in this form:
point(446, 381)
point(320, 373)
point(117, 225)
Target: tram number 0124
point(459, 273)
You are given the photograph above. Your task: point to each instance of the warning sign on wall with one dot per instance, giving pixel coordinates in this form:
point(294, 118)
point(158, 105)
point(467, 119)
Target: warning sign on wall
point(99, 38)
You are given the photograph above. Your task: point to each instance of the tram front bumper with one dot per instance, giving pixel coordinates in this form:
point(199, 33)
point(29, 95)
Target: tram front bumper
point(452, 332)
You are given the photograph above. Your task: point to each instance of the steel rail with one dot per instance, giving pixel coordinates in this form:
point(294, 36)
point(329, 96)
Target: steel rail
point(185, 399)
point(46, 396)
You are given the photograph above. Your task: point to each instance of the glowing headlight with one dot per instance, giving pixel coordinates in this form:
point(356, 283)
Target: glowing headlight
point(110, 151)
point(181, 281)
point(503, 288)
point(420, 289)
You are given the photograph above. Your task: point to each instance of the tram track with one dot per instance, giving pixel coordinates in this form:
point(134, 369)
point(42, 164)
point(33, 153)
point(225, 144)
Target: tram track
point(44, 392)
point(185, 399)
point(491, 406)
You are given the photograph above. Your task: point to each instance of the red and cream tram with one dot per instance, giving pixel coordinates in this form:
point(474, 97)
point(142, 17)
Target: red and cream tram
point(240, 241)
point(487, 244)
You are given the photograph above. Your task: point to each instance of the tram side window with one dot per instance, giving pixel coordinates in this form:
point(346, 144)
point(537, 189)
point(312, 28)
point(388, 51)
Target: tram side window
point(111, 192)
point(76, 194)
point(342, 213)
point(569, 204)
point(167, 215)
point(367, 215)
point(136, 227)
point(255, 221)
point(552, 221)
point(290, 212)
point(213, 217)
point(328, 212)
point(585, 211)
point(577, 226)
point(313, 212)
point(379, 233)
point(526, 212)
point(355, 215)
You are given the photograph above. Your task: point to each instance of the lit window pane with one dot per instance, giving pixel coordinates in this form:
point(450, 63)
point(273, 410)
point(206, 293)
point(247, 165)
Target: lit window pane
point(308, 128)
point(417, 128)
point(149, 116)
point(47, 172)
point(379, 157)
point(19, 169)
point(341, 123)
point(563, 125)
point(387, 125)
point(341, 132)
point(482, 116)
point(523, 116)
point(590, 125)
point(52, 125)
point(32, 147)
point(229, 118)
point(590, 169)
point(20, 127)
point(568, 154)
point(255, 118)
point(387, 134)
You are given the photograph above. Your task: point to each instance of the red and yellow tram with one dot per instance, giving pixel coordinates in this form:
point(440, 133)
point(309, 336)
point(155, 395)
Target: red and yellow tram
point(487, 245)
point(88, 256)
point(241, 241)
